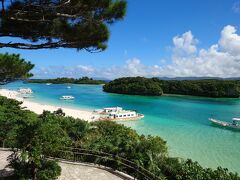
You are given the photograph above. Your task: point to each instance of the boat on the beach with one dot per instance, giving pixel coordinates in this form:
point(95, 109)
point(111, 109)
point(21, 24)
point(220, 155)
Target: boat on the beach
point(235, 124)
point(25, 90)
point(118, 113)
point(67, 98)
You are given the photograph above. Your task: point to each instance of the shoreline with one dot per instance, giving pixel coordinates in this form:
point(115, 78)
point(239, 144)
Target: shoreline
point(38, 108)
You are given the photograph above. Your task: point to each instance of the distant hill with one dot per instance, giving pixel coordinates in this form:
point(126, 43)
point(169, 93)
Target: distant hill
point(102, 79)
point(83, 80)
point(197, 78)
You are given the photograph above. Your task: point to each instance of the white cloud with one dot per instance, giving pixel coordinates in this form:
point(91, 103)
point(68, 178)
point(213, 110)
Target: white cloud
point(185, 44)
point(63, 71)
point(219, 60)
point(85, 69)
point(132, 67)
point(230, 40)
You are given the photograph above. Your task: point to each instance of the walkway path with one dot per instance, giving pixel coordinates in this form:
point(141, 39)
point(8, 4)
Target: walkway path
point(3, 162)
point(84, 172)
point(70, 171)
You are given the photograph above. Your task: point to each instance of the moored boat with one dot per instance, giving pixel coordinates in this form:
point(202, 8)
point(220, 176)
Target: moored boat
point(235, 124)
point(118, 113)
point(25, 90)
point(67, 98)
point(27, 97)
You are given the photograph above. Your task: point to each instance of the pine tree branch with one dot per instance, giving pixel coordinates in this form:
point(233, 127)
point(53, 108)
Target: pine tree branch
point(60, 23)
point(68, 15)
point(35, 46)
point(29, 20)
point(10, 35)
point(46, 46)
point(3, 8)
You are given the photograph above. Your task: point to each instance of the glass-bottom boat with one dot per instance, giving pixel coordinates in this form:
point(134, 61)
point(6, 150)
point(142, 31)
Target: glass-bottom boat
point(235, 124)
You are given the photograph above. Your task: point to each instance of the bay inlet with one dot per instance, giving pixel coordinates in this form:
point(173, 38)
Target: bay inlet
point(180, 120)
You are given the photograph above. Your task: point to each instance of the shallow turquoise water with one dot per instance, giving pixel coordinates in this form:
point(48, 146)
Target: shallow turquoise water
point(181, 120)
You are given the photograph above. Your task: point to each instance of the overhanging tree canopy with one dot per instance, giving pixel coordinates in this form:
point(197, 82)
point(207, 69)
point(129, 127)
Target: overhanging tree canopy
point(80, 24)
point(12, 67)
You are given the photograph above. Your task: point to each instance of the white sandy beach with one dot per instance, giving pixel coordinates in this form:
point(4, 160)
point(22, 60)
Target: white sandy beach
point(39, 108)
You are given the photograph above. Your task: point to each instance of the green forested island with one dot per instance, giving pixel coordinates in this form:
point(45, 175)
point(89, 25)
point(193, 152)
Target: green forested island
point(157, 87)
point(134, 86)
point(82, 80)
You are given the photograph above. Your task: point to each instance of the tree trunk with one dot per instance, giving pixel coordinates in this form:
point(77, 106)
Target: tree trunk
point(34, 173)
point(3, 10)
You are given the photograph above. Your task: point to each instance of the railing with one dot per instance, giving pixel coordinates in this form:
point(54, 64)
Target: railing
point(107, 160)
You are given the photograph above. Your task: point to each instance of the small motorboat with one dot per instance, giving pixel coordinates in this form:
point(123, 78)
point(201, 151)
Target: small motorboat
point(235, 124)
point(67, 98)
point(25, 91)
point(69, 87)
point(48, 84)
point(27, 97)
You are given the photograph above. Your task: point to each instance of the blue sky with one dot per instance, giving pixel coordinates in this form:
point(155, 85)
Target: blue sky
point(143, 43)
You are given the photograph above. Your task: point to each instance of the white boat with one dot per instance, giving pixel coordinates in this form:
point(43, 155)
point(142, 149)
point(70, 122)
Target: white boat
point(27, 97)
point(25, 91)
point(67, 98)
point(235, 124)
point(69, 87)
point(48, 84)
point(118, 113)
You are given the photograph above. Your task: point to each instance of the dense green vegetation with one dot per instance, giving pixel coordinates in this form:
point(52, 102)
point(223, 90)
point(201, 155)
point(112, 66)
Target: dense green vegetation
point(83, 80)
point(34, 136)
point(12, 67)
point(155, 86)
point(78, 24)
point(40, 135)
point(208, 88)
point(134, 86)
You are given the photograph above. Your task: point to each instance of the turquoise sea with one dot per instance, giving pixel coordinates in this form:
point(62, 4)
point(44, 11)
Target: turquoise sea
point(180, 120)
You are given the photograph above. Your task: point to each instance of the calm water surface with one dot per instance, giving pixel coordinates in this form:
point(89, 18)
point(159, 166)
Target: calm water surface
point(180, 120)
